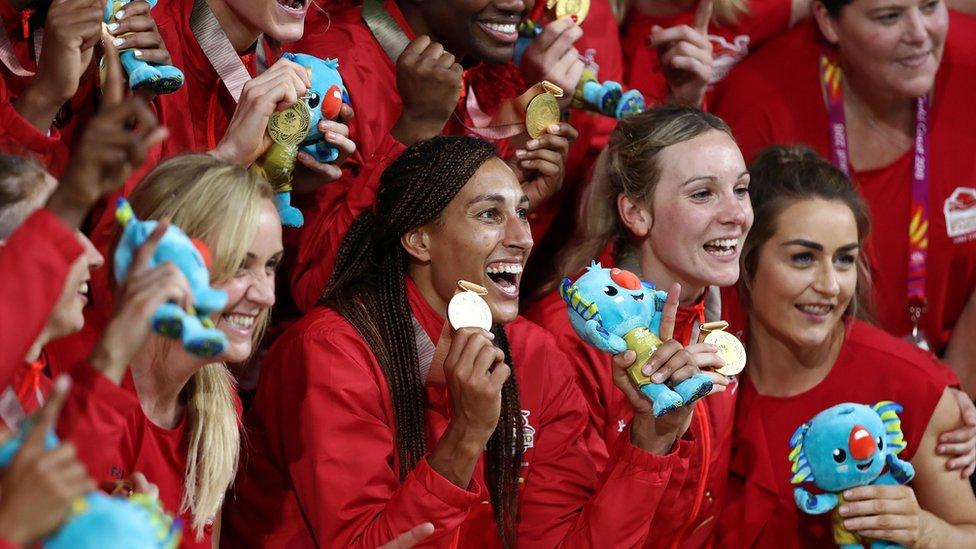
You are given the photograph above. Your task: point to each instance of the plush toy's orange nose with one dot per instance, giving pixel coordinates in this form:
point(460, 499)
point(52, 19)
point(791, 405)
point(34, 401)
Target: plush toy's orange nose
point(625, 279)
point(331, 103)
point(204, 251)
point(861, 443)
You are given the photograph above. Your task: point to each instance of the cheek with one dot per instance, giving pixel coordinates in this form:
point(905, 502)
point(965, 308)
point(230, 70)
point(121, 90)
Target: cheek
point(235, 288)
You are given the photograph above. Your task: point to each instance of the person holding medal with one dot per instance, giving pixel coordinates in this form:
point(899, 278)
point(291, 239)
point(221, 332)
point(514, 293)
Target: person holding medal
point(805, 287)
point(882, 89)
point(415, 391)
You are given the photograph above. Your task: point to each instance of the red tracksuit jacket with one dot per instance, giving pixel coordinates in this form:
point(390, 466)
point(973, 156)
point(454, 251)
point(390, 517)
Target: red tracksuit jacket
point(320, 467)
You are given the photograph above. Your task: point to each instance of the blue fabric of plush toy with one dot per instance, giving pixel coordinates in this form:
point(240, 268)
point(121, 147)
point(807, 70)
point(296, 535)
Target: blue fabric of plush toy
point(157, 77)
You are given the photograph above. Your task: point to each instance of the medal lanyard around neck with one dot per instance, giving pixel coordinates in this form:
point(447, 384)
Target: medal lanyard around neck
point(918, 226)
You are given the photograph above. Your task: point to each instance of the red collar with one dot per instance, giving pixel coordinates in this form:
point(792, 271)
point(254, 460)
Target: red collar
point(429, 319)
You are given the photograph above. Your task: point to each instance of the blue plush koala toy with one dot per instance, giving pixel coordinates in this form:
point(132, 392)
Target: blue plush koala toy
point(99, 521)
point(613, 310)
point(193, 327)
point(322, 102)
point(158, 78)
point(845, 446)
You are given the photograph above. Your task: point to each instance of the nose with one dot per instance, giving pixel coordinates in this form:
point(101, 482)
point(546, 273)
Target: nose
point(915, 31)
point(734, 210)
point(261, 291)
point(625, 279)
point(826, 282)
point(861, 443)
point(92, 255)
point(515, 5)
point(517, 234)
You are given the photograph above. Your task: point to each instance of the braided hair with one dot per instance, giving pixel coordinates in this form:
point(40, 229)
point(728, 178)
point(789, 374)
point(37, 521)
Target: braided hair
point(368, 289)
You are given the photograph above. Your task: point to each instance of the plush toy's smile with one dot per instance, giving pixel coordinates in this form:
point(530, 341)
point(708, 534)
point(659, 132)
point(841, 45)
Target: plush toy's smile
point(864, 466)
point(637, 297)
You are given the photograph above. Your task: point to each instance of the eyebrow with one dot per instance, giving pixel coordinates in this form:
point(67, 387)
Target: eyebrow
point(711, 178)
point(819, 247)
point(494, 198)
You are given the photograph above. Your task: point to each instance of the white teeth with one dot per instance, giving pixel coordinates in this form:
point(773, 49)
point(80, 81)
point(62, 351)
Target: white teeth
point(507, 28)
point(815, 309)
point(240, 321)
point(510, 268)
point(83, 288)
point(723, 242)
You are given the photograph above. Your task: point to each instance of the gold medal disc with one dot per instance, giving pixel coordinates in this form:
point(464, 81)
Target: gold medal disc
point(730, 350)
point(542, 112)
point(290, 126)
point(567, 8)
point(469, 310)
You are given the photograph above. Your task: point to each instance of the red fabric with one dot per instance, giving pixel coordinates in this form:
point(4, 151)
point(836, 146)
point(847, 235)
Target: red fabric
point(610, 412)
point(730, 43)
point(34, 263)
point(774, 97)
point(872, 366)
point(321, 466)
point(370, 77)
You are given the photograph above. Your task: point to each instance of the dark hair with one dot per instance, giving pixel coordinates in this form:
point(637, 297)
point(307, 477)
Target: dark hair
point(368, 289)
point(23, 188)
point(781, 176)
point(834, 6)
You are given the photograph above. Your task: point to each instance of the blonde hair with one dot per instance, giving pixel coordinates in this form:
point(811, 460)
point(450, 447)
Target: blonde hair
point(219, 204)
point(724, 12)
point(630, 166)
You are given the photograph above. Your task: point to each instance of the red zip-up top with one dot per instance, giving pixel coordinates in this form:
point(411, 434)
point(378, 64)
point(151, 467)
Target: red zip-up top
point(34, 263)
point(370, 78)
point(321, 463)
point(697, 481)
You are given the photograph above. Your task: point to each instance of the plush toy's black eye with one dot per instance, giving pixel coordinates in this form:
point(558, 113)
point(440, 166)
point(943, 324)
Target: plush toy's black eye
point(880, 442)
point(839, 455)
point(313, 101)
point(610, 291)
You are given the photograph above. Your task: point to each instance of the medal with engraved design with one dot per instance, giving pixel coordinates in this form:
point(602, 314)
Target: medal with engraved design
point(468, 309)
point(570, 8)
point(290, 126)
point(543, 110)
point(730, 349)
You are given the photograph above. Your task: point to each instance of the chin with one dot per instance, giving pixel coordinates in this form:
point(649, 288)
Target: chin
point(496, 55)
point(505, 313)
point(236, 352)
point(286, 33)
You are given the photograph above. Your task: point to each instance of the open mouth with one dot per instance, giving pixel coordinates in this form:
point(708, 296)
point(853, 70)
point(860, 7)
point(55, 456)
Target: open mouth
point(294, 7)
point(83, 291)
point(815, 309)
point(722, 247)
point(505, 33)
point(864, 466)
point(239, 322)
point(505, 276)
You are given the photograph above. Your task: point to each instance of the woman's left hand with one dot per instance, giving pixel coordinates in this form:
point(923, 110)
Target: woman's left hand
point(959, 445)
point(884, 512)
point(335, 133)
point(686, 56)
point(541, 165)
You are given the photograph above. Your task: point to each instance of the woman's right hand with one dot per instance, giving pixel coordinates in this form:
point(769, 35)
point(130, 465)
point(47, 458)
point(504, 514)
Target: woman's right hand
point(276, 89)
point(142, 292)
point(40, 485)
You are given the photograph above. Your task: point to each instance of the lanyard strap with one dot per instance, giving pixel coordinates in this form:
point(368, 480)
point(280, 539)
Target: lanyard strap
point(218, 49)
point(918, 226)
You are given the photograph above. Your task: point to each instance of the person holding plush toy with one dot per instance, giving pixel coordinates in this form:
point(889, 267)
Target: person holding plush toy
point(804, 285)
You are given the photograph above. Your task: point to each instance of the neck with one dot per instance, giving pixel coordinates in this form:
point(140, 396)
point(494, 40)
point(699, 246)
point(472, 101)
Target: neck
point(654, 271)
point(159, 386)
point(241, 35)
point(879, 109)
point(777, 368)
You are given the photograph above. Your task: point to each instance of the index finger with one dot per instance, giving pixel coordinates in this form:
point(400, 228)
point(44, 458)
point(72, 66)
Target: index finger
point(877, 491)
point(113, 88)
point(670, 312)
point(703, 14)
point(48, 414)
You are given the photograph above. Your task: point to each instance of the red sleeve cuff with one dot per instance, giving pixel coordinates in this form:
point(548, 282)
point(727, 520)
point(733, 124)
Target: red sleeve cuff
point(444, 490)
point(4, 544)
point(20, 136)
point(626, 453)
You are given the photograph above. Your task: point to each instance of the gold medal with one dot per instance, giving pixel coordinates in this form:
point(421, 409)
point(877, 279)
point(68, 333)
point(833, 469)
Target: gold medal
point(290, 126)
point(543, 110)
point(468, 309)
point(570, 8)
point(730, 350)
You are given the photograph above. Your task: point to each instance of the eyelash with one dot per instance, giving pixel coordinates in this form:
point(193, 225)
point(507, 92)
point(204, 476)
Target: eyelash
point(705, 194)
point(271, 267)
point(805, 258)
point(494, 215)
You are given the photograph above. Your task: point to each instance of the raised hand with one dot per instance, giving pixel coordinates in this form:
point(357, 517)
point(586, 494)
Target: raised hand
point(429, 82)
point(552, 56)
point(686, 56)
point(542, 163)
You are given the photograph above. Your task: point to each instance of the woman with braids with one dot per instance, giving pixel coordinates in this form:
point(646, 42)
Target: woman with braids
point(373, 415)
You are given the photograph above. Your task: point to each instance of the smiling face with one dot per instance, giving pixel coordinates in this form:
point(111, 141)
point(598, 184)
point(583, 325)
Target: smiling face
point(893, 45)
point(700, 214)
point(251, 290)
point(806, 275)
point(283, 20)
point(846, 446)
point(484, 30)
point(68, 317)
point(482, 236)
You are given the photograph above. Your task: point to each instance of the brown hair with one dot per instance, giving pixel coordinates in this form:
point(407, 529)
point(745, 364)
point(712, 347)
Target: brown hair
point(24, 186)
point(368, 288)
point(782, 176)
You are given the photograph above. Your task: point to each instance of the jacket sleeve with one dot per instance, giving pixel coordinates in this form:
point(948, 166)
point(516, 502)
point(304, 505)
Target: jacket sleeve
point(565, 503)
point(96, 419)
point(20, 137)
point(334, 424)
point(34, 263)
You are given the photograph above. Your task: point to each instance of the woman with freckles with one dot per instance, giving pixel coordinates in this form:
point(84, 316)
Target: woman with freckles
point(804, 285)
point(373, 414)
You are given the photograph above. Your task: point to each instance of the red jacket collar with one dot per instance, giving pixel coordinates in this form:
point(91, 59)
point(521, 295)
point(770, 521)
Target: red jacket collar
point(429, 319)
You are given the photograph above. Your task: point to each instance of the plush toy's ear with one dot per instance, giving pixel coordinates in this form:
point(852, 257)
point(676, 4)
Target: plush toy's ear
point(888, 411)
point(800, 467)
point(594, 264)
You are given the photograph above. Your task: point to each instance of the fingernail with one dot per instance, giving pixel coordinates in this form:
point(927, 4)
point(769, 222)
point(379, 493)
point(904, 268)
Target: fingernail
point(532, 144)
point(120, 15)
point(62, 383)
point(848, 494)
point(331, 136)
point(553, 128)
point(137, 53)
point(940, 449)
point(519, 153)
point(118, 42)
point(112, 26)
point(657, 378)
point(843, 509)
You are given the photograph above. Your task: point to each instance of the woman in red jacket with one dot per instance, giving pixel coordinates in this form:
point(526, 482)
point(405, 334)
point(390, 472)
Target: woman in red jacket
point(804, 285)
point(372, 414)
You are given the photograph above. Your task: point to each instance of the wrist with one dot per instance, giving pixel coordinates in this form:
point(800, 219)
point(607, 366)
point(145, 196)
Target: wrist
point(457, 452)
point(410, 129)
point(645, 435)
point(37, 107)
point(927, 531)
point(106, 359)
point(11, 531)
point(68, 205)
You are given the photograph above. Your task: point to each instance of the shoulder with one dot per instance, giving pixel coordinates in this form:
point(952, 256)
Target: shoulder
point(337, 31)
point(871, 345)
